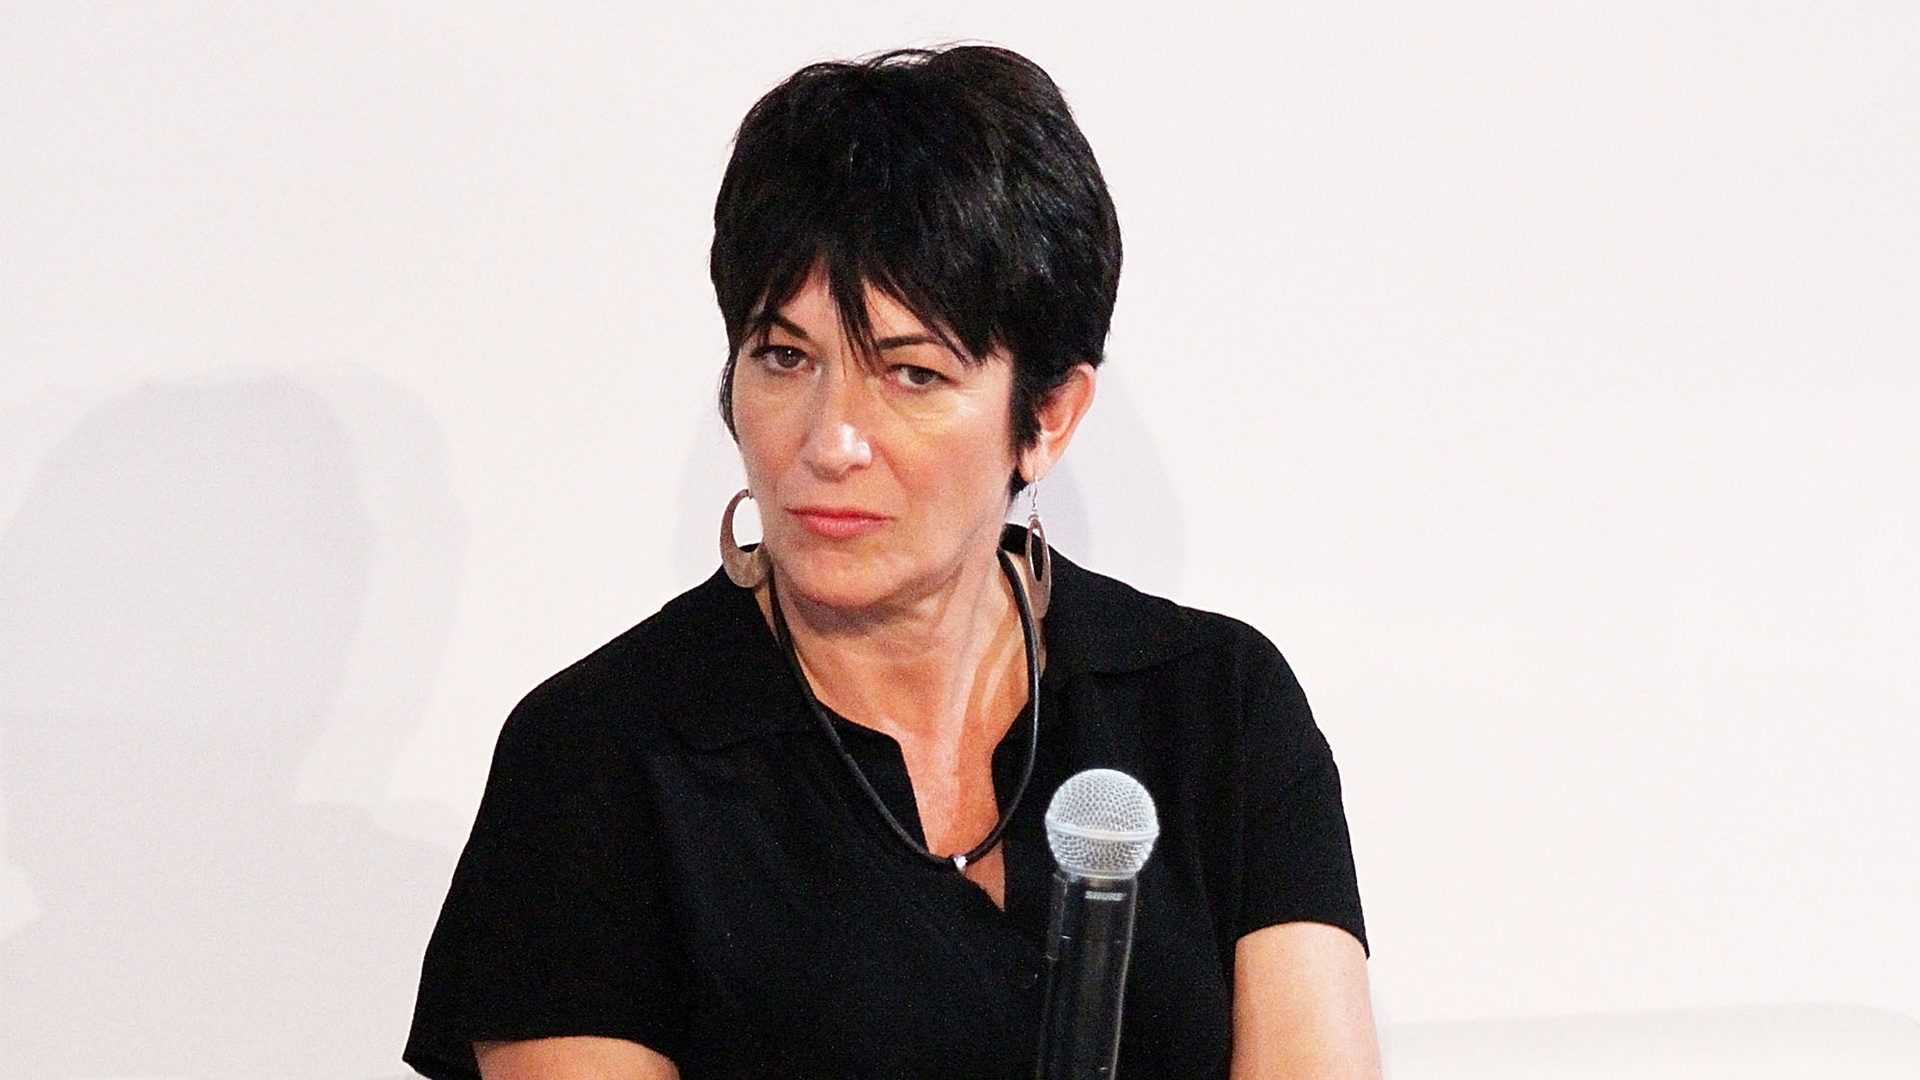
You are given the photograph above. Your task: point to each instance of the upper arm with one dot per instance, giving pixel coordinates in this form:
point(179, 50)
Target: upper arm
point(1301, 1008)
point(1300, 1001)
point(577, 1057)
point(557, 922)
point(1296, 857)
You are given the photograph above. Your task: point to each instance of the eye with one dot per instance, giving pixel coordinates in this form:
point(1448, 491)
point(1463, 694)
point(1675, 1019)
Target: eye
point(780, 357)
point(917, 378)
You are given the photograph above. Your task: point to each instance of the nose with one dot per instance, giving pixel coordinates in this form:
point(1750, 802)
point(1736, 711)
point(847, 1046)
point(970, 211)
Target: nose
point(836, 437)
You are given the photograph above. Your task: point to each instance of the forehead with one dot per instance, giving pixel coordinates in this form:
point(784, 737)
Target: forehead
point(882, 322)
point(812, 306)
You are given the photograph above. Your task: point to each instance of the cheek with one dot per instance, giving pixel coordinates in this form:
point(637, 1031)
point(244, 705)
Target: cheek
point(761, 434)
point(966, 468)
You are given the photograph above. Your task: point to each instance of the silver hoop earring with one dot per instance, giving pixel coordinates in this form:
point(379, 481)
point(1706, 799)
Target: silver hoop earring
point(1039, 564)
point(747, 569)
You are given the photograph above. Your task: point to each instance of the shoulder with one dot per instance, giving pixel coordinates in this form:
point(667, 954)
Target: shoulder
point(695, 674)
point(1200, 678)
point(1101, 624)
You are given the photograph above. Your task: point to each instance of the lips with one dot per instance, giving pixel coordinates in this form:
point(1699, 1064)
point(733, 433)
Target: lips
point(835, 523)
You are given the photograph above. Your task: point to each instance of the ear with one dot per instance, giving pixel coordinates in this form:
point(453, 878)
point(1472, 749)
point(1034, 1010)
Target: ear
point(1060, 414)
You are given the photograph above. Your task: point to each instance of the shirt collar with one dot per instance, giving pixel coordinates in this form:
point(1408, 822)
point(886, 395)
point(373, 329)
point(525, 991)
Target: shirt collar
point(1097, 624)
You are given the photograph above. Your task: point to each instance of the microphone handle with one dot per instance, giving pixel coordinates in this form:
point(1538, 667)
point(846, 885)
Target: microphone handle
point(1089, 938)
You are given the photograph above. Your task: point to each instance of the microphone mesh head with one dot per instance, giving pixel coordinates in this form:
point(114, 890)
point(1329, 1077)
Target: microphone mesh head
point(1101, 823)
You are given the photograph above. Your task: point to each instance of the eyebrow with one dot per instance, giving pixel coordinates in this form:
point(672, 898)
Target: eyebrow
point(771, 319)
point(898, 341)
point(904, 340)
point(774, 318)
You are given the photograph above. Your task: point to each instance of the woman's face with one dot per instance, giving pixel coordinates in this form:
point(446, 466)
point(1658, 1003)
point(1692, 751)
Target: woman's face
point(880, 481)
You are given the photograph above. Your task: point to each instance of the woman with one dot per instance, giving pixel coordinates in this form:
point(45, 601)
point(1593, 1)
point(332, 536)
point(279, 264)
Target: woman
point(791, 824)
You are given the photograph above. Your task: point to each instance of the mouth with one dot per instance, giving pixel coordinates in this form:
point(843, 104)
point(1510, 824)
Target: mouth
point(836, 523)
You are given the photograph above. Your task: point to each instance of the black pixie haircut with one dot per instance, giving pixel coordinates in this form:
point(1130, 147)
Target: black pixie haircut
point(954, 180)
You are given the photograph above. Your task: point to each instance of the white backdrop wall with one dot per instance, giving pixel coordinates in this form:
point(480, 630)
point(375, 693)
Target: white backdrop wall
point(1541, 377)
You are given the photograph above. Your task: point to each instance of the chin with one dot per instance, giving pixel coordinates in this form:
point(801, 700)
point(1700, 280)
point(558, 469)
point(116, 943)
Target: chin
point(832, 580)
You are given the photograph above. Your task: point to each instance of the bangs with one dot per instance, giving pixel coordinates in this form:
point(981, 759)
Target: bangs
point(869, 181)
point(847, 282)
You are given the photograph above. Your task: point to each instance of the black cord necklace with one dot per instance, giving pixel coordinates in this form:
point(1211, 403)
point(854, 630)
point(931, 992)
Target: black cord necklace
point(957, 862)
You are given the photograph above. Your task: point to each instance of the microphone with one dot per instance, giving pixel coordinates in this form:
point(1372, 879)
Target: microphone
point(1101, 826)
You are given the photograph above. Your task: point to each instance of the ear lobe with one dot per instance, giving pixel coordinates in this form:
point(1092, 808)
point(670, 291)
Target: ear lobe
point(1059, 415)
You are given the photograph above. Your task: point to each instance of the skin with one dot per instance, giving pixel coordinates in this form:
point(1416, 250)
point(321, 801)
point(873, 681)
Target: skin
point(1301, 1010)
point(881, 481)
point(909, 627)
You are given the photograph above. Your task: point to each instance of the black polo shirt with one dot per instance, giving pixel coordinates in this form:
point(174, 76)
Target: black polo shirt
point(669, 851)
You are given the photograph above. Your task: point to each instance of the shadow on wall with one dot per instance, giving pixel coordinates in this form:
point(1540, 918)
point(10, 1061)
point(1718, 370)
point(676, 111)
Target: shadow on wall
point(180, 594)
point(1110, 505)
point(413, 592)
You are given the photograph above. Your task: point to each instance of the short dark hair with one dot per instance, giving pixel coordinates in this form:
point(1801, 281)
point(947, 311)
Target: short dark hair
point(955, 181)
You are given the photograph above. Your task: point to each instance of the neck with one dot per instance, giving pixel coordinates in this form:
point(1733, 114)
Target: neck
point(945, 667)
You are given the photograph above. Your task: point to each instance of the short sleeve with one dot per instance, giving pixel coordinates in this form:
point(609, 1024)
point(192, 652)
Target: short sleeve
point(1297, 855)
point(557, 920)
